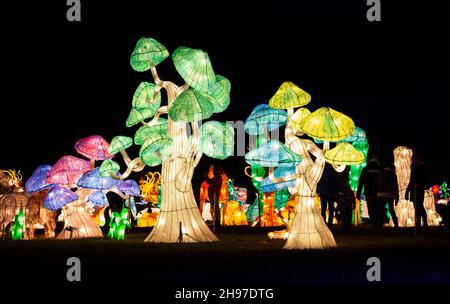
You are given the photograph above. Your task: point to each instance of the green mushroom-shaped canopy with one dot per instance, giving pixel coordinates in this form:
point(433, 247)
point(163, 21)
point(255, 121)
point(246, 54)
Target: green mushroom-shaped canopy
point(143, 107)
point(344, 154)
point(194, 67)
point(108, 168)
point(216, 139)
point(264, 118)
point(143, 96)
point(137, 115)
point(147, 51)
point(219, 94)
point(154, 144)
point(327, 124)
point(272, 154)
point(119, 143)
point(145, 132)
point(190, 106)
point(289, 96)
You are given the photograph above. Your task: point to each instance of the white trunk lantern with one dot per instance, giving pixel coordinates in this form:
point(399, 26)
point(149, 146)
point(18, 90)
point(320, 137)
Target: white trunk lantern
point(168, 142)
point(404, 208)
point(307, 229)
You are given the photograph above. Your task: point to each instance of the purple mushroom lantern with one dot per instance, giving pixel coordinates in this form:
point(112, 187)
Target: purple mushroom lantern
point(93, 180)
point(58, 197)
point(38, 180)
point(129, 187)
point(98, 199)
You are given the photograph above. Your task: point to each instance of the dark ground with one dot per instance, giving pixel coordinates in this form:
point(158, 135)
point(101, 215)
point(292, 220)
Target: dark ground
point(244, 258)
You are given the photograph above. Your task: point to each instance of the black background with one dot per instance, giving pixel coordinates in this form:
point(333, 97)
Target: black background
point(66, 80)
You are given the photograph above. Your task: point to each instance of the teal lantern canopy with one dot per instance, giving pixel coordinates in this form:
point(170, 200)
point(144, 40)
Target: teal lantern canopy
point(264, 119)
point(272, 154)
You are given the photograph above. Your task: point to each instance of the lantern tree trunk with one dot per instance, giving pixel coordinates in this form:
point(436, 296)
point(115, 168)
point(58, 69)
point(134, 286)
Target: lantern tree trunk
point(179, 219)
point(308, 229)
point(78, 223)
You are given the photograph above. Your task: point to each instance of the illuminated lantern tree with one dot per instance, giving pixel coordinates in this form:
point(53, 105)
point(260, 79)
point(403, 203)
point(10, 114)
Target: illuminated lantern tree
point(308, 229)
point(260, 123)
point(167, 142)
point(404, 208)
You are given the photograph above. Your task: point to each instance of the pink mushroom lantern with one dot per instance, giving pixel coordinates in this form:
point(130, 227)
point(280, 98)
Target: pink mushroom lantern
point(68, 170)
point(93, 147)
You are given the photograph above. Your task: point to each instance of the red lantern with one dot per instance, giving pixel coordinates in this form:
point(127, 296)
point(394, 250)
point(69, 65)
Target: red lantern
point(435, 189)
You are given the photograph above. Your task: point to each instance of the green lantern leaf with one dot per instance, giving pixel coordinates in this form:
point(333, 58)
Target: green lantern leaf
point(139, 114)
point(190, 106)
point(119, 143)
point(219, 94)
point(108, 167)
point(147, 51)
point(151, 159)
point(143, 96)
point(216, 139)
point(157, 143)
point(194, 67)
point(144, 132)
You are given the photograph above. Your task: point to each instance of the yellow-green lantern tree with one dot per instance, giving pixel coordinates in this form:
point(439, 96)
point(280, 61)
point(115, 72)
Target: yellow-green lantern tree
point(177, 142)
point(307, 229)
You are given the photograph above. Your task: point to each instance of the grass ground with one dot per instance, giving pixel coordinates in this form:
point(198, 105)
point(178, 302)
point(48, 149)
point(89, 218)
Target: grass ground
point(244, 257)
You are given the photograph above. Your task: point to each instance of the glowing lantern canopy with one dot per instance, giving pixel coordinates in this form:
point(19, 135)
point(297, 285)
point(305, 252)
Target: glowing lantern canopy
point(68, 170)
point(145, 132)
point(216, 139)
point(147, 51)
point(191, 106)
point(264, 119)
point(359, 136)
point(98, 198)
point(327, 124)
point(38, 180)
point(129, 187)
point(344, 154)
point(297, 118)
point(284, 177)
point(108, 168)
point(58, 197)
point(93, 180)
point(289, 96)
point(144, 103)
point(137, 115)
point(273, 154)
point(157, 143)
point(219, 94)
point(93, 147)
point(119, 143)
point(195, 68)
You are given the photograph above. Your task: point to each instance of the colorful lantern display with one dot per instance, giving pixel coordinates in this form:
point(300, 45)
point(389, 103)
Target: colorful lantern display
point(307, 229)
point(166, 141)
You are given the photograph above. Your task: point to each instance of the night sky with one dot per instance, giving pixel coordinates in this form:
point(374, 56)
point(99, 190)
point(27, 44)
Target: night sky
point(63, 81)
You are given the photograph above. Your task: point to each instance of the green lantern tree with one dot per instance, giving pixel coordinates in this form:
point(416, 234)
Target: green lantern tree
point(167, 142)
point(307, 229)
